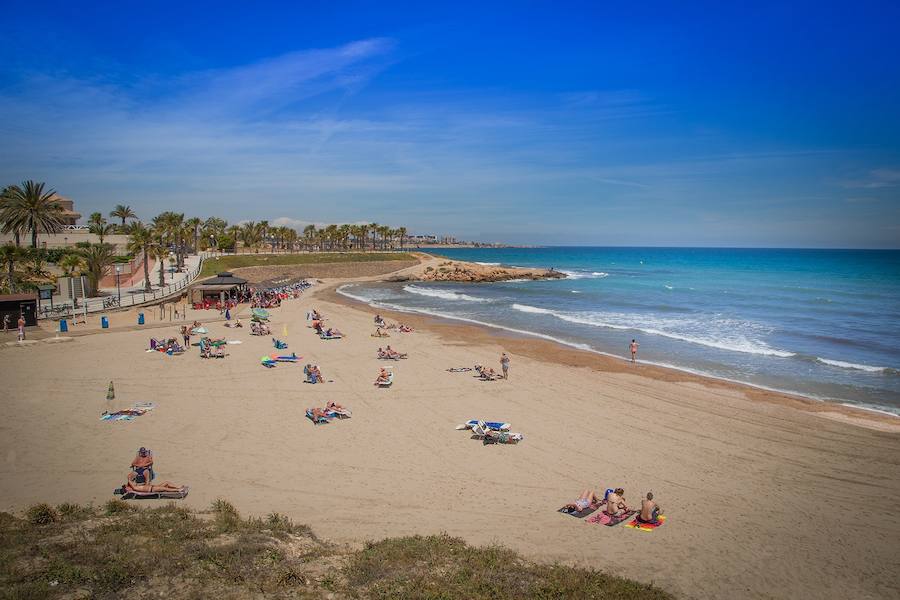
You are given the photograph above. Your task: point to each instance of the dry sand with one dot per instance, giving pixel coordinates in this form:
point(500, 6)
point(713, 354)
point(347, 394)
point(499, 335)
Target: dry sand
point(757, 490)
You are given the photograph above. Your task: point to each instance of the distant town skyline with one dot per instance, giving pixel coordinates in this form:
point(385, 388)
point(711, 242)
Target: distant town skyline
point(664, 124)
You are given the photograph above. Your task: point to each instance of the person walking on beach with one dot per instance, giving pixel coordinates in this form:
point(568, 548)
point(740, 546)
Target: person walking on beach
point(186, 336)
point(5, 323)
point(633, 347)
point(504, 364)
point(21, 328)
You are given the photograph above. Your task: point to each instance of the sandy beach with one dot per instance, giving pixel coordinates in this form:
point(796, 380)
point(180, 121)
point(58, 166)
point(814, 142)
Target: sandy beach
point(764, 497)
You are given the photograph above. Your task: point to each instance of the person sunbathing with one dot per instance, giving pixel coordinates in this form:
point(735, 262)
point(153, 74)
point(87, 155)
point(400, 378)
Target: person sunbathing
point(650, 510)
point(405, 329)
point(335, 407)
point(142, 465)
point(318, 413)
point(581, 503)
point(393, 353)
point(330, 332)
point(218, 351)
point(383, 377)
point(615, 503)
point(131, 485)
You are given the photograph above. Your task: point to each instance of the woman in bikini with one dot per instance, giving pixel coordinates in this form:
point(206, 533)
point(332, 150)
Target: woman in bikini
point(165, 486)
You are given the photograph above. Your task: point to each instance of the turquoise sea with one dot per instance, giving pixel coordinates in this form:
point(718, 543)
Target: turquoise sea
point(821, 323)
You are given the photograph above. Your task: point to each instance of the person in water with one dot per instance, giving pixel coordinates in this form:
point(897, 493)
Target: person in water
point(650, 510)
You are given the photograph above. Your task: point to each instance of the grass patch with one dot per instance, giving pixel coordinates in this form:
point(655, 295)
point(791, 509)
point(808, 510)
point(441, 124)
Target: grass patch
point(81, 552)
point(236, 261)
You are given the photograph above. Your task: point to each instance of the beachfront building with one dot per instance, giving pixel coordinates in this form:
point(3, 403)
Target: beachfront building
point(69, 216)
point(13, 305)
point(215, 289)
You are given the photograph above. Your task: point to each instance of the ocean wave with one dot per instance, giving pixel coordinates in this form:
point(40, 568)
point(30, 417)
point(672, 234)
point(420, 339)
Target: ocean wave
point(854, 366)
point(442, 294)
point(584, 274)
point(723, 338)
point(668, 287)
point(487, 264)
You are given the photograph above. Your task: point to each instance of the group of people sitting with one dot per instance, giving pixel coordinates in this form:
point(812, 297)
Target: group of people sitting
point(382, 327)
point(313, 374)
point(614, 505)
point(272, 297)
point(212, 348)
point(487, 374)
point(332, 410)
point(259, 328)
point(390, 354)
point(169, 346)
point(140, 478)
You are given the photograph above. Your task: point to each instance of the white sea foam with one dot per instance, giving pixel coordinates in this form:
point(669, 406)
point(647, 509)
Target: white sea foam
point(575, 292)
point(443, 294)
point(726, 332)
point(584, 274)
point(849, 365)
point(668, 287)
point(487, 264)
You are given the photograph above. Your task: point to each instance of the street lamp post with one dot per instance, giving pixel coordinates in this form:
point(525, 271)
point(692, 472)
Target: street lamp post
point(118, 289)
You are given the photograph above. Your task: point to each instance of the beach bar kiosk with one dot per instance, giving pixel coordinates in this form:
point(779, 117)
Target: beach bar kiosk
point(19, 304)
point(214, 289)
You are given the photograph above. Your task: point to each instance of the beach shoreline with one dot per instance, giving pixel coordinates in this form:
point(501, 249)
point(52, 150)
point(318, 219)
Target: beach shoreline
point(563, 354)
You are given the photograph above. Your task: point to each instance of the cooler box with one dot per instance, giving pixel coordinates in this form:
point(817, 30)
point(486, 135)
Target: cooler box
point(104, 322)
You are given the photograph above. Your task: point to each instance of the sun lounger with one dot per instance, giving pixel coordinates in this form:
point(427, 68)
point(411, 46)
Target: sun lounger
point(495, 425)
point(387, 383)
point(316, 420)
point(490, 436)
point(331, 337)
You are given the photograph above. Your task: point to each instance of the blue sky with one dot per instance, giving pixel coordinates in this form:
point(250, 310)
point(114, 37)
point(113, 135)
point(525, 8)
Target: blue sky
point(652, 123)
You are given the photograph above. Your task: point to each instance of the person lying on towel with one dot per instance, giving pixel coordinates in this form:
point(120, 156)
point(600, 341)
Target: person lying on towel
point(615, 503)
point(333, 406)
point(650, 510)
point(319, 413)
point(166, 486)
point(581, 503)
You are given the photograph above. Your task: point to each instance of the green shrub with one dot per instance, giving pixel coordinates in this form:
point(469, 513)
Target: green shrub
point(41, 514)
point(116, 506)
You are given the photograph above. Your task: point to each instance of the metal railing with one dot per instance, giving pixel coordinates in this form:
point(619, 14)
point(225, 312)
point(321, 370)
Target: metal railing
point(130, 299)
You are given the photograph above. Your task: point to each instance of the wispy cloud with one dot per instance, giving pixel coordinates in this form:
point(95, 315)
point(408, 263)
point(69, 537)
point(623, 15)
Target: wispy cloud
point(874, 179)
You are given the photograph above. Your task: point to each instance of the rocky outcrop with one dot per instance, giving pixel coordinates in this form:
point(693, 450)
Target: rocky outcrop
point(471, 272)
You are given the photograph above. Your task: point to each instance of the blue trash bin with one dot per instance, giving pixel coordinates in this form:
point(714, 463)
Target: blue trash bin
point(140, 318)
point(63, 326)
point(104, 322)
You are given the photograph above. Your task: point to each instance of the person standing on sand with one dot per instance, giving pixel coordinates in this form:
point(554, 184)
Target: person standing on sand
point(21, 328)
point(633, 347)
point(5, 323)
point(504, 364)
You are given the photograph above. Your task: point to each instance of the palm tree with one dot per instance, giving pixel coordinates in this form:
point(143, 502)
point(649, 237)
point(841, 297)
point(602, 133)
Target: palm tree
point(9, 256)
point(309, 234)
point(6, 221)
point(141, 240)
point(402, 233)
point(252, 235)
point(373, 227)
point(194, 224)
point(70, 263)
point(101, 228)
point(159, 250)
point(384, 231)
point(291, 237)
point(122, 212)
point(97, 258)
point(29, 208)
point(36, 267)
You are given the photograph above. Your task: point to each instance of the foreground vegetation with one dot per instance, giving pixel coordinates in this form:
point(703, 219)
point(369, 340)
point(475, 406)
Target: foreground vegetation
point(120, 551)
point(227, 263)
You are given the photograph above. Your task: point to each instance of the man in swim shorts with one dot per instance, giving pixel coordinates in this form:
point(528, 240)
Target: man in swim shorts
point(650, 511)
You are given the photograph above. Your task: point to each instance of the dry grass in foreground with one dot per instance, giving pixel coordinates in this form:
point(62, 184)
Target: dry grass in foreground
point(237, 261)
point(120, 551)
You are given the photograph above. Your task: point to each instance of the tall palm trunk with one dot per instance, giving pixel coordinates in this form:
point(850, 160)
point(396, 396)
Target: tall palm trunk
point(34, 233)
point(146, 270)
point(18, 238)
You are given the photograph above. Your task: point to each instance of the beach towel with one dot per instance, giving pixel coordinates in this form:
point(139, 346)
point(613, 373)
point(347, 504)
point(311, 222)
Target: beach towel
point(572, 512)
point(330, 337)
point(127, 414)
point(636, 524)
point(605, 519)
point(152, 495)
point(459, 369)
point(198, 330)
point(316, 421)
